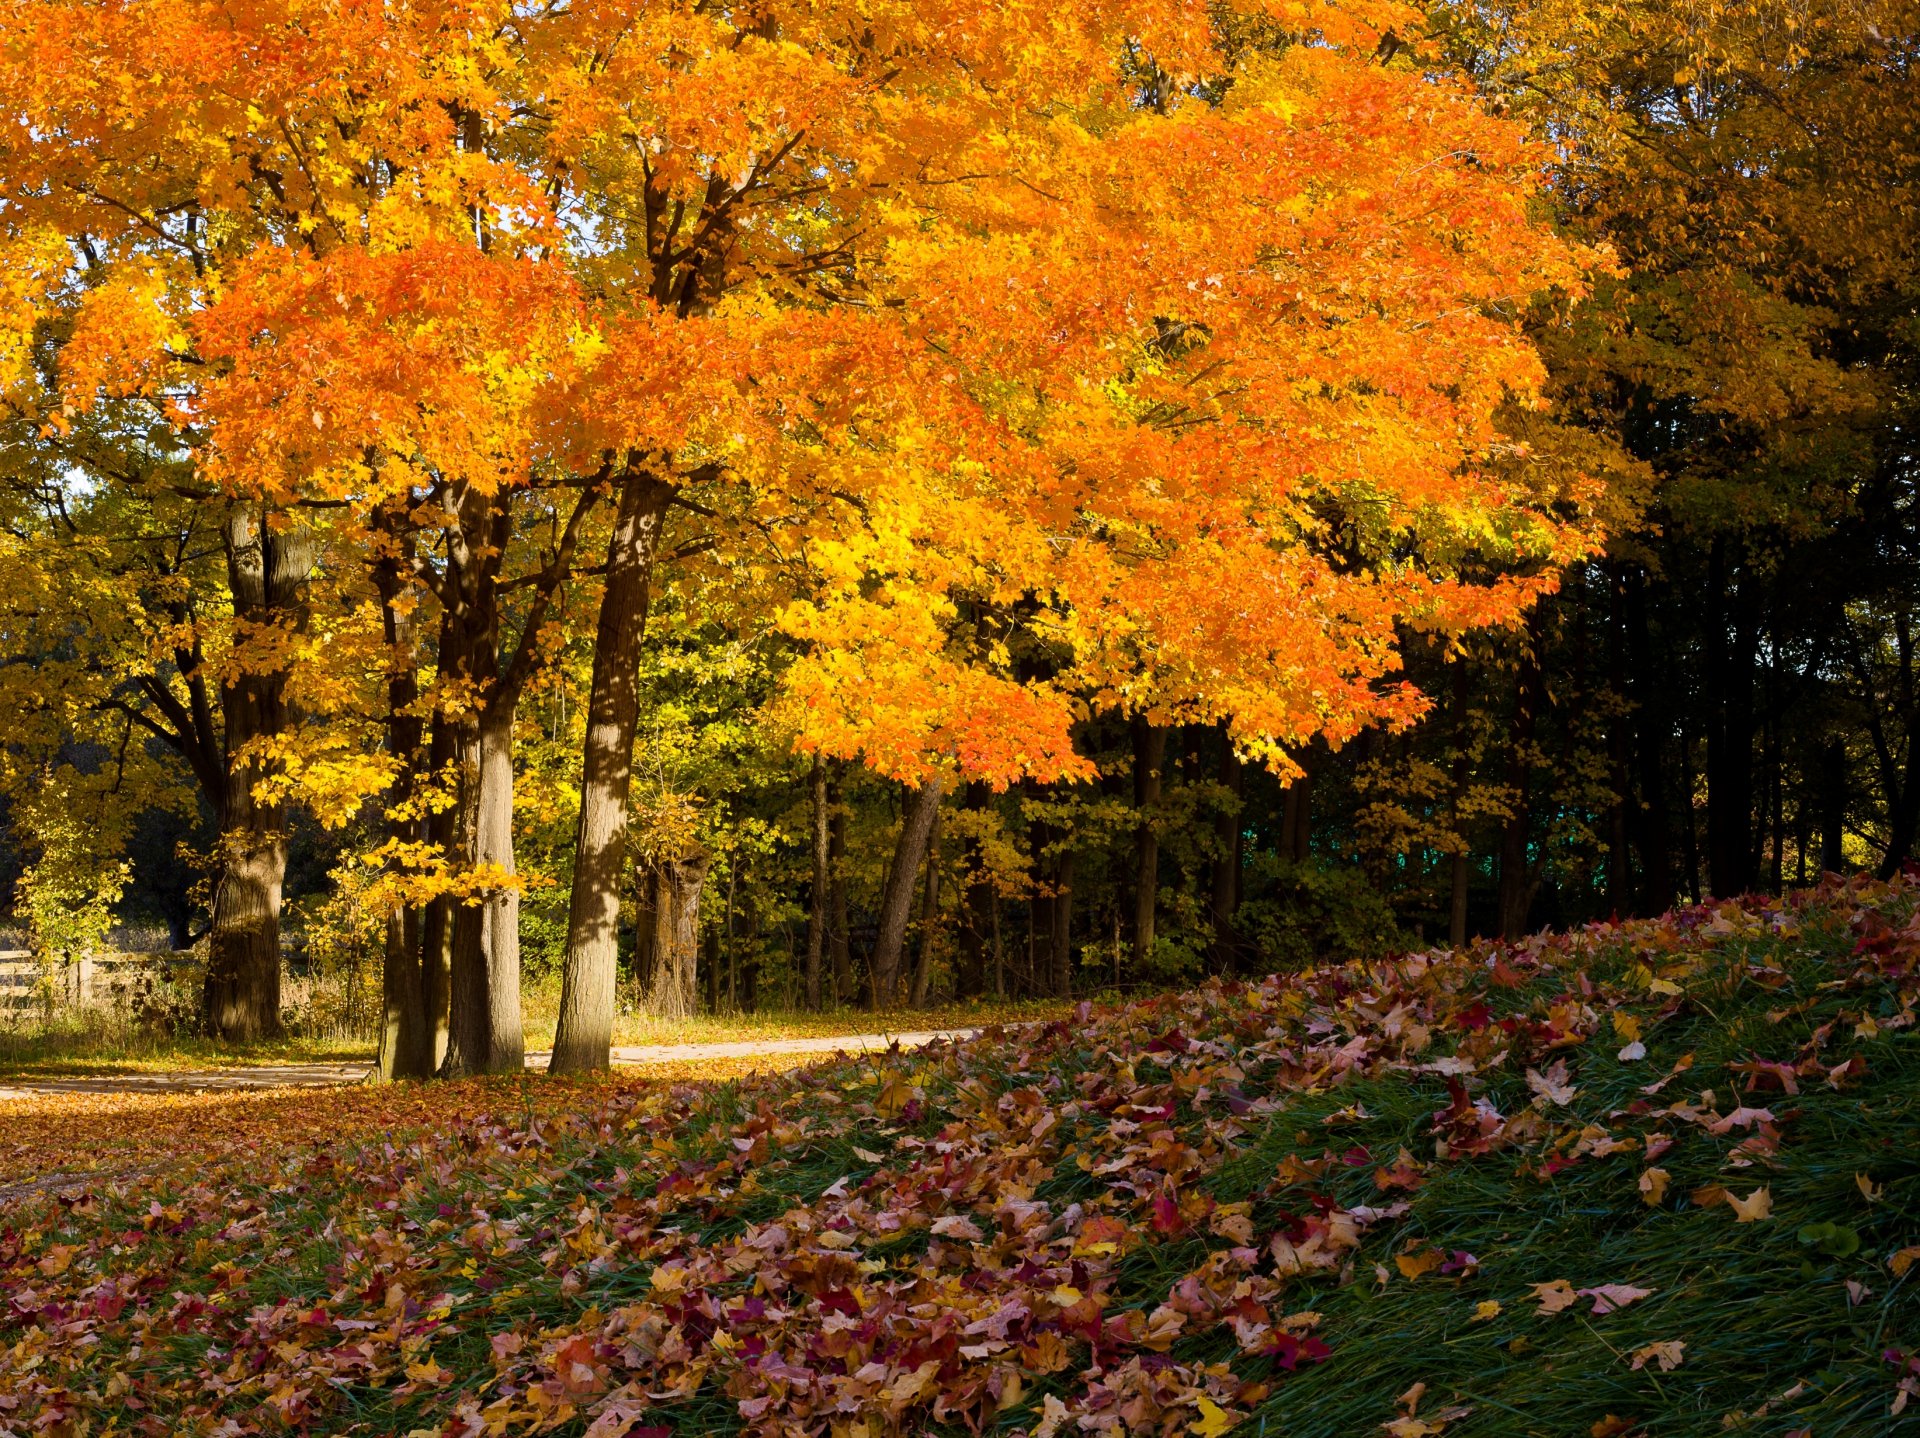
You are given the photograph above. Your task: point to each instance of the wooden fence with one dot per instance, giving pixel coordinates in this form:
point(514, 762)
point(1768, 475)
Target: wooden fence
point(27, 983)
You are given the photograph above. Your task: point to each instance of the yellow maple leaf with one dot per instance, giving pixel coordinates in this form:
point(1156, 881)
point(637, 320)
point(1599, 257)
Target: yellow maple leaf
point(1214, 1420)
point(1485, 1309)
point(1653, 1185)
point(1412, 1265)
point(1755, 1206)
point(1668, 1354)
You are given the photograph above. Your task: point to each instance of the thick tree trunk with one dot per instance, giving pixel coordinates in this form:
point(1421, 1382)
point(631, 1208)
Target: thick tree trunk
point(1229, 858)
point(929, 915)
point(485, 1034)
point(896, 897)
point(817, 894)
point(1149, 754)
point(583, 1040)
point(242, 994)
point(267, 571)
point(671, 988)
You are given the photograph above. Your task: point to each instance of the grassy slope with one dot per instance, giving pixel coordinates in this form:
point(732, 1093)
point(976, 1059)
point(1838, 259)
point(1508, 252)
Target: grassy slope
point(1130, 1208)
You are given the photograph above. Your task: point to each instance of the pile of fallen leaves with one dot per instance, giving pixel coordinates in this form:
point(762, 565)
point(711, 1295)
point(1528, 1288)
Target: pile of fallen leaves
point(1658, 1177)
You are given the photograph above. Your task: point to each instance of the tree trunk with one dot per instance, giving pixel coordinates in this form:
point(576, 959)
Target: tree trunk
point(1730, 646)
point(673, 982)
point(1229, 858)
point(839, 935)
point(485, 1034)
point(896, 898)
point(1296, 817)
point(406, 1033)
point(817, 895)
point(1651, 730)
point(1060, 928)
point(929, 914)
point(1149, 754)
point(976, 900)
point(583, 1039)
point(1462, 774)
point(267, 571)
point(1516, 866)
point(1833, 808)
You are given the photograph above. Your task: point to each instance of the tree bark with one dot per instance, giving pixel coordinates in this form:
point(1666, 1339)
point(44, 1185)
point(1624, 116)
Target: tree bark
point(929, 915)
point(267, 571)
point(406, 1033)
point(976, 904)
point(1229, 859)
point(1651, 729)
point(1149, 754)
point(1730, 645)
point(896, 897)
point(817, 895)
point(1060, 928)
point(1517, 872)
point(839, 935)
point(583, 1039)
point(672, 983)
point(1833, 808)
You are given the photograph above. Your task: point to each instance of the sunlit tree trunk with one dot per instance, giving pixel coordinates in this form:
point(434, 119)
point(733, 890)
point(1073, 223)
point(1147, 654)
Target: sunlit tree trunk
point(267, 570)
point(583, 1039)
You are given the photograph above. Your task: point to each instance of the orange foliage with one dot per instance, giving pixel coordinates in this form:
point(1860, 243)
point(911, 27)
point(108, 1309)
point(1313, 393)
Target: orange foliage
point(1186, 357)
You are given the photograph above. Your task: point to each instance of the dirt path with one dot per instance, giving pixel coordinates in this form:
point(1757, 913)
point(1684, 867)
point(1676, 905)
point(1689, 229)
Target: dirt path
point(327, 1075)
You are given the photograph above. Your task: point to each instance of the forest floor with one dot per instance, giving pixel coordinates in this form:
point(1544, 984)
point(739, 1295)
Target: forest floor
point(1657, 1178)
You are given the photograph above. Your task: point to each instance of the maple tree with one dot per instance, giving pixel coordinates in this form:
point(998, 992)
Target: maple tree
point(922, 314)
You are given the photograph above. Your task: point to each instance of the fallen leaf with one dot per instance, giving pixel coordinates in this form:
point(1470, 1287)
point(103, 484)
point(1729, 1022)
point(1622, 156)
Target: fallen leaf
point(1214, 1420)
point(1754, 1207)
point(1555, 1296)
point(1666, 1353)
point(1552, 1085)
point(1903, 1260)
point(1653, 1186)
point(1610, 1296)
point(1485, 1309)
point(1412, 1265)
